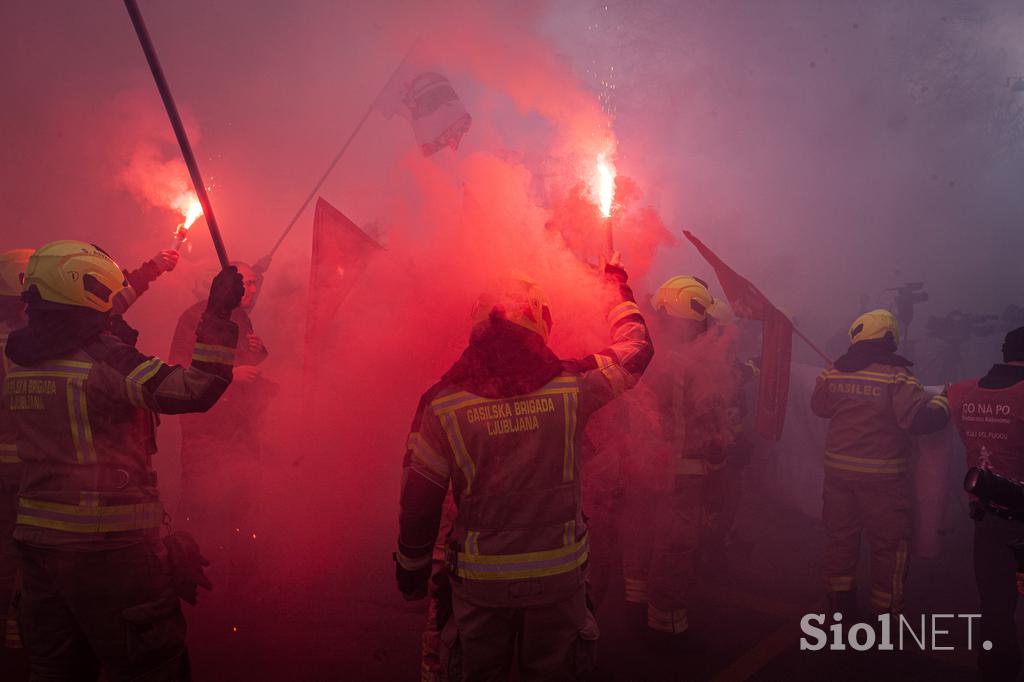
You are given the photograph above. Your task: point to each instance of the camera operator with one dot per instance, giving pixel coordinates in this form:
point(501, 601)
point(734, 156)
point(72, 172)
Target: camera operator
point(989, 414)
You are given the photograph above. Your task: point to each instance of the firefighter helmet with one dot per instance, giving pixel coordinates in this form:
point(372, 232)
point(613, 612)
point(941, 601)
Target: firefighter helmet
point(74, 273)
point(517, 299)
point(875, 325)
point(12, 271)
point(684, 296)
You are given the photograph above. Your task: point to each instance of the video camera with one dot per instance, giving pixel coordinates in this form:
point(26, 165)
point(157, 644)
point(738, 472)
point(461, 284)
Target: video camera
point(908, 296)
point(1001, 496)
point(958, 326)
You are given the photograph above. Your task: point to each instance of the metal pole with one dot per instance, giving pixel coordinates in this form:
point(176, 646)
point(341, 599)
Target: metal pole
point(179, 128)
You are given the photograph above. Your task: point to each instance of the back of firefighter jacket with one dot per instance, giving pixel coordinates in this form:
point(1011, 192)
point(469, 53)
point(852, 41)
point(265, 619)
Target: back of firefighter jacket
point(870, 414)
point(513, 463)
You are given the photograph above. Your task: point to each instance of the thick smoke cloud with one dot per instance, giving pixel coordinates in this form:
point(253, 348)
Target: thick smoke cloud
point(827, 151)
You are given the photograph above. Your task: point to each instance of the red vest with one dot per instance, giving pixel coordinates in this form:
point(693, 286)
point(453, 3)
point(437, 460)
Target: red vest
point(991, 425)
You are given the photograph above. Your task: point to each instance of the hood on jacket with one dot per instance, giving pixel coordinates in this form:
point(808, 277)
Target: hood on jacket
point(503, 360)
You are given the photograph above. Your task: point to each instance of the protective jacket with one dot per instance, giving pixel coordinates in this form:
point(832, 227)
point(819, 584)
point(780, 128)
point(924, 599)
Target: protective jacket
point(504, 428)
point(989, 414)
point(86, 417)
point(874, 405)
point(10, 465)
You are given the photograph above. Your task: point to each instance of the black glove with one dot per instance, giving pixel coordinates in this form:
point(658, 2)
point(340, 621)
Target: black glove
point(226, 292)
point(412, 584)
point(615, 273)
point(186, 566)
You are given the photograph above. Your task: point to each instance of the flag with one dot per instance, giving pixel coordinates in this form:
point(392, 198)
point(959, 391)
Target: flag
point(776, 342)
point(341, 252)
point(428, 101)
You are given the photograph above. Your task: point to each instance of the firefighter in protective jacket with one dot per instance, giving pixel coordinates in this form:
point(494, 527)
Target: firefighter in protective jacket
point(874, 405)
point(695, 389)
point(503, 428)
point(12, 317)
point(96, 591)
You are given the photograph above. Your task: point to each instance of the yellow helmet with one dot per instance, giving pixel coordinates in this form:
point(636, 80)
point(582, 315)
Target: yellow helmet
point(875, 325)
point(12, 271)
point(519, 300)
point(684, 296)
point(75, 273)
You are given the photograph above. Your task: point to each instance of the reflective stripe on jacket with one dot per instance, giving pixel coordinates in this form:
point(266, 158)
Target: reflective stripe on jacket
point(86, 424)
point(870, 412)
point(513, 464)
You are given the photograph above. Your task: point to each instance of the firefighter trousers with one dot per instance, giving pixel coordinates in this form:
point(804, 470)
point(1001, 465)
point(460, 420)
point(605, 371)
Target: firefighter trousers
point(660, 558)
point(113, 609)
point(995, 571)
point(13, 658)
point(878, 507)
point(542, 641)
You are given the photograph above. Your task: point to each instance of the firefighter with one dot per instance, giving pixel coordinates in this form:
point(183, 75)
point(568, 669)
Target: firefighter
point(695, 388)
point(12, 316)
point(96, 590)
point(989, 415)
point(503, 429)
point(874, 405)
point(219, 449)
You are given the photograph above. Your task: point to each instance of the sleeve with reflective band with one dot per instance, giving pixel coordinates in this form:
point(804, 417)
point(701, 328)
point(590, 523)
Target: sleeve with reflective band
point(614, 370)
point(425, 479)
point(89, 518)
point(138, 282)
point(148, 382)
point(908, 397)
point(865, 465)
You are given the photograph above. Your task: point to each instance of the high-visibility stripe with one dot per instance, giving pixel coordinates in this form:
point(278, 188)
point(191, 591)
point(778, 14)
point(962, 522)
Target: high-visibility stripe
point(81, 430)
point(674, 622)
point(569, 533)
point(940, 401)
point(435, 465)
point(880, 599)
point(876, 377)
point(12, 636)
point(462, 458)
point(78, 519)
point(412, 563)
point(521, 566)
point(611, 371)
point(865, 465)
point(472, 542)
point(9, 453)
point(569, 460)
point(840, 583)
point(636, 590)
point(621, 311)
point(205, 352)
point(135, 380)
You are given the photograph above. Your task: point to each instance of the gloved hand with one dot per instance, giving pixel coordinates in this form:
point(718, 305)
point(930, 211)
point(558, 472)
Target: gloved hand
point(412, 584)
point(226, 292)
point(166, 260)
point(613, 270)
point(186, 566)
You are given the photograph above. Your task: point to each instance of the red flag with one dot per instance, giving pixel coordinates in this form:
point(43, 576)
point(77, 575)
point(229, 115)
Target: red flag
point(776, 342)
point(341, 251)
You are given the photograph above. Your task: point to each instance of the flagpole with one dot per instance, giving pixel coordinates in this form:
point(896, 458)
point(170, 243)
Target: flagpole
point(323, 178)
point(179, 128)
point(810, 343)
